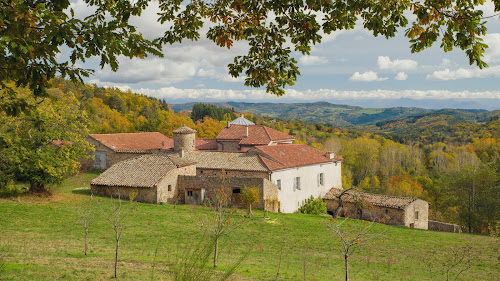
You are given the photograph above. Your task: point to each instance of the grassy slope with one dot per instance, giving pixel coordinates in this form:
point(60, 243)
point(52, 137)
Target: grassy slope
point(40, 239)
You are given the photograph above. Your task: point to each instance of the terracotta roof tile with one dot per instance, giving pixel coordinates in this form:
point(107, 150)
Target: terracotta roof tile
point(283, 156)
point(134, 141)
point(380, 200)
point(206, 144)
point(226, 160)
point(144, 171)
point(257, 135)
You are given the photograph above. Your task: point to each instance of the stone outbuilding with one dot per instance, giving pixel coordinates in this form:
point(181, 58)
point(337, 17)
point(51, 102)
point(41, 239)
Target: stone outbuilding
point(392, 210)
point(113, 148)
point(244, 137)
point(152, 178)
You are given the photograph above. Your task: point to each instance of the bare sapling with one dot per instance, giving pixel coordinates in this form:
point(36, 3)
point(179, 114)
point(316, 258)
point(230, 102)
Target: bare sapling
point(86, 214)
point(120, 216)
point(222, 220)
point(352, 236)
point(455, 263)
point(341, 202)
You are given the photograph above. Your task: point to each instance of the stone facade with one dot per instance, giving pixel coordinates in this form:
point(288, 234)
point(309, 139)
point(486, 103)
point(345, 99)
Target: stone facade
point(202, 187)
point(414, 215)
point(226, 145)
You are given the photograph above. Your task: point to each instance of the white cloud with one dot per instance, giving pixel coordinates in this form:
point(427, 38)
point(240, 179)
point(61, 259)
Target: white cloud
point(368, 76)
point(464, 73)
point(401, 76)
point(312, 60)
point(385, 63)
point(174, 95)
point(492, 54)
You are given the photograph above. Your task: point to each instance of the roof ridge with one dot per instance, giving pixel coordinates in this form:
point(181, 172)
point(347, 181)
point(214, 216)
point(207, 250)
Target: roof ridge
point(268, 135)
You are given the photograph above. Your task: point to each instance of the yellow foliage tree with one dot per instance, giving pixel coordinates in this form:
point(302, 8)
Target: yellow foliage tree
point(250, 196)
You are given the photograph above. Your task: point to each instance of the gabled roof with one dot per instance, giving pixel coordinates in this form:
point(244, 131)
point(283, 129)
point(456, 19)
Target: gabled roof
point(380, 200)
point(205, 144)
point(134, 141)
point(282, 156)
point(219, 160)
point(257, 135)
point(144, 171)
point(241, 121)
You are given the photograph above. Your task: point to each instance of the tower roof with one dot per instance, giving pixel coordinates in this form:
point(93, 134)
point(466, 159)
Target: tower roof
point(241, 121)
point(184, 130)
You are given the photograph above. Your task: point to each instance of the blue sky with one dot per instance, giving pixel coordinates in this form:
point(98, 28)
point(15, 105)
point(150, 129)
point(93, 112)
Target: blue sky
point(346, 66)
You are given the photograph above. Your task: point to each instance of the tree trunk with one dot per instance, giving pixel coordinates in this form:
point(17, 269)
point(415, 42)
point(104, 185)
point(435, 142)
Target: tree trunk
point(116, 257)
point(216, 251)
point(86, 244)
point(250, 210)
point(346, 260)
point(38, 188)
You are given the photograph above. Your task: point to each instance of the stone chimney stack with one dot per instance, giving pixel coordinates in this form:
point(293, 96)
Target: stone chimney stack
point(246, 131)
point(330, 155)
point(184, 139)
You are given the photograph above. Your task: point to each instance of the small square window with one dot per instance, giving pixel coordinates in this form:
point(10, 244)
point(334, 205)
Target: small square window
point(190, 193)
point(416, 215)
point(169, 187)
point(321, 180)
point(236, 191)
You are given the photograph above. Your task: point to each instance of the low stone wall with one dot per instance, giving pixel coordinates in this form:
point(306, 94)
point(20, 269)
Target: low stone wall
point(443, 226)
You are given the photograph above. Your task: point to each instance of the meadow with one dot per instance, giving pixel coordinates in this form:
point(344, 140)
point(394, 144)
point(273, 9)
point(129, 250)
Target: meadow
point(41, 239)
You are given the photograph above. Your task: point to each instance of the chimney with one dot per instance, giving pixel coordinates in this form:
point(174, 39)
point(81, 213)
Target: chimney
point(228, 125)
point(330, 155)
point(246, 131)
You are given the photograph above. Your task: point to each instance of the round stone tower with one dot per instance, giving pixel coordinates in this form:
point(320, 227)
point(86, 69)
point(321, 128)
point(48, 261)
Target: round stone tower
point(184, 139)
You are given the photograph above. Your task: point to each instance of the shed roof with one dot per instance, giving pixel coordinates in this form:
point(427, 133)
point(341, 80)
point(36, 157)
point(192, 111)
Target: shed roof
point(134, 141)
point(144, 171)
point(257, 135)
point(241, 121)
point(380, 200)
point(282, 156)
point(226, 161)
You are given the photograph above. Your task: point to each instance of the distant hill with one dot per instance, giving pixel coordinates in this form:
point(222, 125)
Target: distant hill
point(347, 116)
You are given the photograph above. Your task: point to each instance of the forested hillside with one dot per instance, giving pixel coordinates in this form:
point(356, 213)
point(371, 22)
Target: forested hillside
point(450, 158)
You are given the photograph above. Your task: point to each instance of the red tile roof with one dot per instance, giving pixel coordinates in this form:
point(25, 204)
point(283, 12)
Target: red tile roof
point(257, 135)
point(283, 156)
point(205, 144)
point(134, 141)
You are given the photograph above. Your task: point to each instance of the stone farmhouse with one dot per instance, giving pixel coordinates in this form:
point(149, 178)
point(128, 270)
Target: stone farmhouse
point(410, 212)
point(187, 169)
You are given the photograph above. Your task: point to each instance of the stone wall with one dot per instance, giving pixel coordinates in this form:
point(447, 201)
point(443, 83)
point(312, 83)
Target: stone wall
point(267, 189)
point(167, 188)
point(417, 214)
point(366, 211)
point(147, 195)
point(442, 226)
point(230, 173)
point(228, 145)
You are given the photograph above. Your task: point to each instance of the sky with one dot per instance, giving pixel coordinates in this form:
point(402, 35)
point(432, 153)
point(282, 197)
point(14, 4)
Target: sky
point(347, 67)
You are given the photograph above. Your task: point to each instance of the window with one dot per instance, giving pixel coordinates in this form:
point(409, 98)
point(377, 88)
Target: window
point(296, 183)
point(169, 187)
point(321, 180)
point(236, 190)
point(278, 183)
point(190, 193)
point(386, 211)
point(416, 215)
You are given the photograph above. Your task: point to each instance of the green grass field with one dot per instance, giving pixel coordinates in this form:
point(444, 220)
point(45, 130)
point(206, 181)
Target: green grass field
point(41, 239)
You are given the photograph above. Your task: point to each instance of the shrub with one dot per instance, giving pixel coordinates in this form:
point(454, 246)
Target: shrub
point(313, 206)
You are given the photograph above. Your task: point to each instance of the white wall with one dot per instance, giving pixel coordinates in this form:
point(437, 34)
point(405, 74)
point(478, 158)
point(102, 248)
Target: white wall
point(291, 200)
